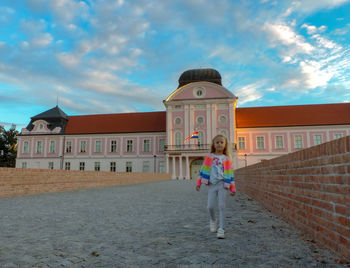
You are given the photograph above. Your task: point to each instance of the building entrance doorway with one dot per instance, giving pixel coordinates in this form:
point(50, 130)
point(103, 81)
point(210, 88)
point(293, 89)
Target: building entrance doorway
point(195, 168)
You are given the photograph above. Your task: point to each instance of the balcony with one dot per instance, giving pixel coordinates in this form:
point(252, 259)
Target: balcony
point(187, 147)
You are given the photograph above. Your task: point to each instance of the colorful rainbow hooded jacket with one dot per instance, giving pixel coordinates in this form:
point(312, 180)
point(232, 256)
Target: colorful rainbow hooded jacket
point(204, 173)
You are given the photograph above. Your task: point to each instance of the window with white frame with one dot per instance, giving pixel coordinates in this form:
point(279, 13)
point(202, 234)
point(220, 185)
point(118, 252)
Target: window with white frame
point(68, 147)
point(52, 147)
point(97, 166)
point(279, 142)
point(81, 165)
point(113, 146)
point(146, 166)
point(25, 147)
point(24, 164)
point(298, 142)
point(39, 147)
point(317, 139)
point(83, 146)
point(50, 165)
point(67, 165)
point(113, 166)
point(146, 145)
point(98, 146)
point(337, 136)
point(200, 120)
point(178, 121)
point(260, 143)
point(222, 119)
point(161, 145)
point(241, 143)
point(161, 167)
point(129, 148)
point(128, 166)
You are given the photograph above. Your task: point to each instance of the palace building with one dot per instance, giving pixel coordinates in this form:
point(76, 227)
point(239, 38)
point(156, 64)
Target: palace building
point(155, 141)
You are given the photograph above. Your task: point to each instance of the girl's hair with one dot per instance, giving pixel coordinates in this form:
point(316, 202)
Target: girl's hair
point(227, 145)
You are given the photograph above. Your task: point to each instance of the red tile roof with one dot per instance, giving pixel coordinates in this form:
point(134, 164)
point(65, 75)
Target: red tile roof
point(293, 115)
point(117, 123)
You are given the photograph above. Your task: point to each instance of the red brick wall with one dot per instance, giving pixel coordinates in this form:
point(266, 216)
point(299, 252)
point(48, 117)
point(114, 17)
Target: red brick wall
point(309, 189)
point(18, 181)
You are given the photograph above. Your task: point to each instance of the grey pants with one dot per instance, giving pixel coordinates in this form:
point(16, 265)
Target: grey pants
point(217, 192)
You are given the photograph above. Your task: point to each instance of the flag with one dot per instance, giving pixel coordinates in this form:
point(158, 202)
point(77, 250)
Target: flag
point(194, 135)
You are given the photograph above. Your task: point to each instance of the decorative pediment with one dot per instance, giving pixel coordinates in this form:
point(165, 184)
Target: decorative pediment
point(200, 90)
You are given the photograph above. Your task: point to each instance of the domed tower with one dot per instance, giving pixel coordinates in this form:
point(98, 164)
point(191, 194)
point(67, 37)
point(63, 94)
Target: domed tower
point(200, 104)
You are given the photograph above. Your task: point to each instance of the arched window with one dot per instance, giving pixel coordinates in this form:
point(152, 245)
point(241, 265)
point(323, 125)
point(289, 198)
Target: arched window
point(223, 132)
point(178, 139)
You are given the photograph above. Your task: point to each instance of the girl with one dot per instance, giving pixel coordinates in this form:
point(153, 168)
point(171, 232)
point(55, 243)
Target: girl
point(217, 172)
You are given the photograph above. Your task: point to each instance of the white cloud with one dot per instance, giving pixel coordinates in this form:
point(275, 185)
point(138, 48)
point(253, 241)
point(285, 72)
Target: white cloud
point(309, 6)
point(249, 93)
point(42, 40)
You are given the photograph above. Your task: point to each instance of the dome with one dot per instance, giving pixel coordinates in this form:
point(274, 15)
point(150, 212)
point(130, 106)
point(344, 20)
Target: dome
point(197, 75)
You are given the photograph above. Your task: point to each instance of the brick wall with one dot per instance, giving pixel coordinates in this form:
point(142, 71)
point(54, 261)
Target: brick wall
point(309, 189)
point(18, 181)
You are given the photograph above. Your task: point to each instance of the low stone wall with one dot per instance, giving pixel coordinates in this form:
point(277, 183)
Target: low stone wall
point(18, 181)
point(309, 189)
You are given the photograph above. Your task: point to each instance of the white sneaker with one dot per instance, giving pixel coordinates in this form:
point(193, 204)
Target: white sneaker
point(213, 226)
point(221, 233)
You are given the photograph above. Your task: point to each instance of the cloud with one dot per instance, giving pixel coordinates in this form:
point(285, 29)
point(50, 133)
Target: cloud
point(309, 6)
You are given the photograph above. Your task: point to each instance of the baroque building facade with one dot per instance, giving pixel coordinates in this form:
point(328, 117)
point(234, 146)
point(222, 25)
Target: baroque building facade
point(154, 141)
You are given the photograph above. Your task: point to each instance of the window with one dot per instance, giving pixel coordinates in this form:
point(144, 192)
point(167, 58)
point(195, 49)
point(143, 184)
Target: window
point(52, 147)
point(200, 138)
point(97, 166)
point(178, 121)
point(25, 147)
point(178, 139)
point(161, 145)
point(279, 142)
point(146, 146)
point(298, 142)
point(223, 132)
point(41, 126)
point(177, 106)
point(200, 120)
point(241, 143)
point(68, 147)
point(128, 166)
point(161, 167)
point(24, 164)
point(50, 165)
point(129, 146)
point(317, 139)
point(67, 165)
point(97, 146)
point(39, 147)
point(113, 166)
point(222, 119)
point(200, 106)
point(222, 105)
point(145, 167)
point(83, 146)
point(113, 146)
point(260, 143)
point(81, 165)
point(337, 136)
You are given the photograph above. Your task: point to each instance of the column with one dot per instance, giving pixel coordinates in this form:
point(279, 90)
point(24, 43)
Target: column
point(173, 176)
point(187, 169)
point(180, 168)
point(167, 163)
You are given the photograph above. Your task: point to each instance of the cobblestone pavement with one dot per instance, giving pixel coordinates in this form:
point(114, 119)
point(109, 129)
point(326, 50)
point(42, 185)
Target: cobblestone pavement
point(161, 224)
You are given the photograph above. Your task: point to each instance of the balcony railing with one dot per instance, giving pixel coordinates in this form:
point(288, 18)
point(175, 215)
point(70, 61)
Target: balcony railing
point(187, 147)
point(192, 147)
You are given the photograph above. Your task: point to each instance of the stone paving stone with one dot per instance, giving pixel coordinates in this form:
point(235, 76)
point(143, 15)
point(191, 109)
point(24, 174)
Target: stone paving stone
point(160, 224)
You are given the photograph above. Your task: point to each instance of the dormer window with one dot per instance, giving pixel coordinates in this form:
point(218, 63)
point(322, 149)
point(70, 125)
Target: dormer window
point(41, 126)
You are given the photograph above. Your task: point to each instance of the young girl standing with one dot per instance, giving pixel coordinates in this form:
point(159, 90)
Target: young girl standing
point(217, 173)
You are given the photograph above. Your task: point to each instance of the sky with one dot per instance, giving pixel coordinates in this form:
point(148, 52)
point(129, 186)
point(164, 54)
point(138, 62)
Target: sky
point(105, 56)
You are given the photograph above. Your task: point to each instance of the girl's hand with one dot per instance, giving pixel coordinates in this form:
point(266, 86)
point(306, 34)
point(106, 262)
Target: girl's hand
point(197, 188)
point(233, 193)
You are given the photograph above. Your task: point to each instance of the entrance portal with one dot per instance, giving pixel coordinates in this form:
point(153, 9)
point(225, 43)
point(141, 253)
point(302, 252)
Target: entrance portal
point(195, 168)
